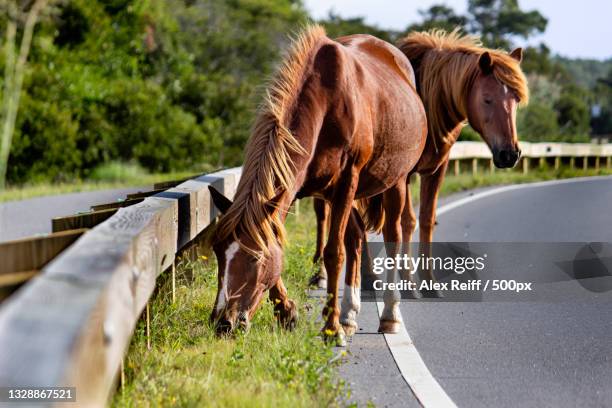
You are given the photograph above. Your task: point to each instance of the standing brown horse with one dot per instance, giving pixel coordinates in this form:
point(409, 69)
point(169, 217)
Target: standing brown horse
point(342, 121)
point(457, 80)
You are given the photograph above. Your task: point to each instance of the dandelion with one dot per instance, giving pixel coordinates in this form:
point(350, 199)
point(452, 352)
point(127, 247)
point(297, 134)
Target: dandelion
point(329, 332)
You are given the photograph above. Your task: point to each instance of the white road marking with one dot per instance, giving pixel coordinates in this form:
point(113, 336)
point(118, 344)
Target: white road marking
point(424, 386)
point(229, 255)
point(412, 367)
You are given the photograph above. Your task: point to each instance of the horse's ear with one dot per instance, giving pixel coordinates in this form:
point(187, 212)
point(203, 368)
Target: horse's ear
point(485, 63)
point(221, 202)
point(517, 54)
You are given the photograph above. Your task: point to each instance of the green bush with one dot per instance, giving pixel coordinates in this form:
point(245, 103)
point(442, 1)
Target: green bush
point(537, 122)
point(169, 86)
point(115, 172)
point(469, 134)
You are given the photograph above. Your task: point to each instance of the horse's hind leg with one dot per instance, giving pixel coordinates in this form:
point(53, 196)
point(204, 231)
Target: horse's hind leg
point(408, 227)
point(351, 299)
point(285, 309)
point(394, 200)
point(321, 208)
point(334, 253)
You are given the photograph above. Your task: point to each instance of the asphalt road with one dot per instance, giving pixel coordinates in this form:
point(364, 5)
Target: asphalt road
point(556, 351)
point(19, 219)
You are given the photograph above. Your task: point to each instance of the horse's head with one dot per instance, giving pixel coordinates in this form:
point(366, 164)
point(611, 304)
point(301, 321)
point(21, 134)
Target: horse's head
point(492, 111)
point(244, 274)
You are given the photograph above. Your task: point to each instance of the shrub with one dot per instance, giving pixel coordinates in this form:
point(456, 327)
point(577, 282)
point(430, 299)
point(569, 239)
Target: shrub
point(117, 172)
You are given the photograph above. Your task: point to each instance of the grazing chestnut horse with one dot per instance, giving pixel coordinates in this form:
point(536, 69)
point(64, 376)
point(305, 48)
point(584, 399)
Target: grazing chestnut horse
point(341, 121)
point(457, 80)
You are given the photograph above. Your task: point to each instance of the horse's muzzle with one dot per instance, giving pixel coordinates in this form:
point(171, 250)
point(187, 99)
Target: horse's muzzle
point(225, 325)
point(506, 158)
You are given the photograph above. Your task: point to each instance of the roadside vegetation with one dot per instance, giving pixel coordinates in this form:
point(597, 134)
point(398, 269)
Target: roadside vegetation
point(173, 84)
point(466, 181)
point(120, 175)
point(104, 177)
point(188, 365)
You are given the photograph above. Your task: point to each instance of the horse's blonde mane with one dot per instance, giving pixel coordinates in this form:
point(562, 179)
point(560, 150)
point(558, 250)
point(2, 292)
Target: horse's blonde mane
point(446, 65)
point(268, 168)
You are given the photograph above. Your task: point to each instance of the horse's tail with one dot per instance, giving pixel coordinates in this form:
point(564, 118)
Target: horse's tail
point(372, 212)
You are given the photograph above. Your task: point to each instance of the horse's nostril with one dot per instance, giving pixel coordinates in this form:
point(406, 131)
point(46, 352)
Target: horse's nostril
point(243, 321)
point(224, 326)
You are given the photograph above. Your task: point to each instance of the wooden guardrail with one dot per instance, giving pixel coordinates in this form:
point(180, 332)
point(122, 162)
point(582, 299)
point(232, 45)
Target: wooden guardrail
point(587, 155)
point(71, 324)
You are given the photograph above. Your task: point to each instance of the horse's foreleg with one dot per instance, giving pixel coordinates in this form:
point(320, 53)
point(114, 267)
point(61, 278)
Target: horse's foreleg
point(394, 201)
point(321, 209)
point(351, 299)
point(430, 187)
point(285, 309)
point(334, 253)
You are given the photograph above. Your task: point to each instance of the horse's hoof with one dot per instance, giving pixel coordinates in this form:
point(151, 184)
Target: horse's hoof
point(337, 338)
point(318, 281)
point(287, 317)
point(389, 326)
point(432, 294)
point(350, 328)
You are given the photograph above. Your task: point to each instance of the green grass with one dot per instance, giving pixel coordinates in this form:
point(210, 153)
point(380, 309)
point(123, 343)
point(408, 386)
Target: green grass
point(107, 176)
point(189, 366)
point(466, 181)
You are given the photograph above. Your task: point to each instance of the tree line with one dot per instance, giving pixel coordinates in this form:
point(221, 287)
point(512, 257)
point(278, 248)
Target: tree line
point(173, 85)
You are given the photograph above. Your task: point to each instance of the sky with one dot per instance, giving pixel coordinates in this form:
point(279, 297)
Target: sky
point(576, 29)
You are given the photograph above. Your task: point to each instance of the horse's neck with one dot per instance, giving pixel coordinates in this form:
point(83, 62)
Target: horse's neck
point(443, 143)
point(307, 134)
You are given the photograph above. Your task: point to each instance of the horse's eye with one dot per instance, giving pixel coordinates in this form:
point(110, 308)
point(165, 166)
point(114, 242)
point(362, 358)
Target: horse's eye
point(488, 101)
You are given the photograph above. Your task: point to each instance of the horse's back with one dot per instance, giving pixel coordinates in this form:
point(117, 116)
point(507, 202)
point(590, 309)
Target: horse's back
point(373, 119)
point(399, 124)
point(380, 53)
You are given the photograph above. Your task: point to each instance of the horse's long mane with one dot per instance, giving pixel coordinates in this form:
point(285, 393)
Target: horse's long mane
point(446, 65)
point(268, 168)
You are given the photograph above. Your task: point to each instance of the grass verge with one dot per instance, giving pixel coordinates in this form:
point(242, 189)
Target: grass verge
point(105, 177)
point(188, 365)
point(454, 184)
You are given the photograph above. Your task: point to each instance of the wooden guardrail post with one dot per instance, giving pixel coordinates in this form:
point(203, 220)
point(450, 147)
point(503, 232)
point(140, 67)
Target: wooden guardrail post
point(557, 162)
point(542, 163)
point(457, 166)
point(608, 162)
point(597, 163)
point(572, 162)
point(491, 166)
point(525, 165)
point(474, 166)
point(585, 163)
